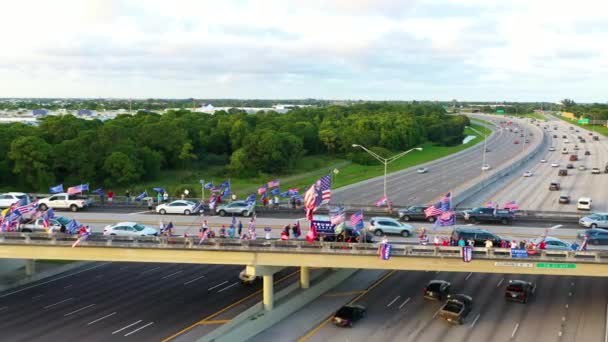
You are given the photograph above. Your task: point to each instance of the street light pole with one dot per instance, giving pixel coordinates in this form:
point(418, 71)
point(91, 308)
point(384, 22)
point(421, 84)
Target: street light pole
point(485, 138)
point(386, 161)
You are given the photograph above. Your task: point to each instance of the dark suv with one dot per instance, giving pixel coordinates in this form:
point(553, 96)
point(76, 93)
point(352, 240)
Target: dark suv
point(478, 235)
point(415, 212)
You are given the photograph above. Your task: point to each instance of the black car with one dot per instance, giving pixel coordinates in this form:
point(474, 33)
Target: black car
point(519, 291)
point(415, 212)
point(483, 214)
point(554, 135)
point(478, 235)
point(348, 314)
point(348, 234)
point(587, 153)
point(570, 166)
point(564, 199)
point(437, 290)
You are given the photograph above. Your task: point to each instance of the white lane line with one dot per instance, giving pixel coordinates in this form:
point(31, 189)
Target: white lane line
point(469, 276)
point(150, 270)
point(172, 274)
point(138, 329)
point(63, 301)
point(218, 285)
point(227, 287)
point(500, 282)
point(38, 296)
point(128, 326)
point(100, 318)
point(52, 280)
point(475, 320)
point(139, 212)
point(393, 301)
point(67, 287)
point(193, 280)
point(405, 302)
point(515, 330)
point(83, 308)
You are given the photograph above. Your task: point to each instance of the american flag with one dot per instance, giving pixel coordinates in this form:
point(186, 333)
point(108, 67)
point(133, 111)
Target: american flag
point(382, 201)
point(273, 183)
point(356, 218)
point(446, 202)
point(337, 215)
point(325, 187)
point(261, 190)
point(26, 209)
point(78, 189)
point(433, 210)
point(447, 218)
point(511, 205)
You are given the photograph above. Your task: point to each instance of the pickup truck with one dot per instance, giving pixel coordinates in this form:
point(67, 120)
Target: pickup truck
point(488, 215)
point(37, 226)
point(456, 309)
point(415, 212)
point(64, 201)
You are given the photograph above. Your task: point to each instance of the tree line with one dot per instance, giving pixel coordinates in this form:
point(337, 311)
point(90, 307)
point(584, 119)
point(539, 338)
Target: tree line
point(131, 149)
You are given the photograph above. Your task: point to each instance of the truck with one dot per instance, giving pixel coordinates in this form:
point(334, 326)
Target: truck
point(482, 214)
point(37, 225)
point(64, 201)
point(246, 278)
point(456, 308)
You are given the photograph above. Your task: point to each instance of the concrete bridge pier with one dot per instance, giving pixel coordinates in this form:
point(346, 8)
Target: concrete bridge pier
point(30, 267)
point(267, 274)
point(304, 277)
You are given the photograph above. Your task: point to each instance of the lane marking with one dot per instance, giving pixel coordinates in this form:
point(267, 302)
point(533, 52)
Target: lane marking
point(52, 280)
point(500, 282)
point(138, 329)
point(172, 274)
point(227, 287)
point(393, 301)
point(150, 270)
point(475, 320)
point(515, 330)
point(217, 321)
point(469, 276)
point(63, 301)
point(83, 308)
point(193, 280)
point(128, 326)
point(405, 302)
point(104, 317)
point(216, 286)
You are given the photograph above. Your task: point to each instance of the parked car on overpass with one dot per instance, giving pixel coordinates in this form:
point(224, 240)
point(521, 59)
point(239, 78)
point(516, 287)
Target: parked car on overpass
point(129, 229)
point(176, 207)
point(595, 236)
point(10, 198)
point(596, 220)
point(387, 225)
point(415, 212)
point(237, 208)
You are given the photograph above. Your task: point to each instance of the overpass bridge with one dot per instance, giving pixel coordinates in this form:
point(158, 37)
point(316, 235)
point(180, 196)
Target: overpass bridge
point(265, 257)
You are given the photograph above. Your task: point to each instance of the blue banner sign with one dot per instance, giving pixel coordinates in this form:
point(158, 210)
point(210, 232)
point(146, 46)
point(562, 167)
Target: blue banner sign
point(385, 251)
point(519, 253)
point(467, 253)
point(324, 227)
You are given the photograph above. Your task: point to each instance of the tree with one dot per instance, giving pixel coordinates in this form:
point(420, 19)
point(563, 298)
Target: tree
point(568, 104)
point(120, 169)
point(31, 159)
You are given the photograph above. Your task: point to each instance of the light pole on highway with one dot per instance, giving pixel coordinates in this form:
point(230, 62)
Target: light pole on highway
point(386, 161)
point(485, 138)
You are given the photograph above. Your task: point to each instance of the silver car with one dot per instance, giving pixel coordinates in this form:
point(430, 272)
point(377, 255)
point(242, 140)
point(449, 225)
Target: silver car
point(387, 225)
point(236, 207)
point(597, 220)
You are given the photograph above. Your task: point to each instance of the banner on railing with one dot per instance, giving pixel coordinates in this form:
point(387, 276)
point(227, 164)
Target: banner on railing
point(467, 253)
point(519, 253)
point(385, 251)
point(324, 227)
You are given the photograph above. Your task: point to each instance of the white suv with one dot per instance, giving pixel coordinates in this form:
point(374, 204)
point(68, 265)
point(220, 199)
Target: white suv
point(9, 198)
point(387, 225)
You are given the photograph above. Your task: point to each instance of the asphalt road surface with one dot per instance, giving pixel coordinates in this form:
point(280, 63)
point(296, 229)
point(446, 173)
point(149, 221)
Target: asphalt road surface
point(533, 193)
point(563, 309)
point(119, 302)
point(407, 187)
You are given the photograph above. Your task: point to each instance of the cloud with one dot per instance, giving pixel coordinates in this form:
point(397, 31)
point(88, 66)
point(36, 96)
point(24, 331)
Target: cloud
point(381, 49)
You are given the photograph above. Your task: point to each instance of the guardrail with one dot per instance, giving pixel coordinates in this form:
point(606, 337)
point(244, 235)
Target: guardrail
point(291, 246)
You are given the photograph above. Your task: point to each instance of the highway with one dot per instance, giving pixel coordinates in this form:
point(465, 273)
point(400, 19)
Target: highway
point(121, 301)
point(533, 193)
point(574, 307)
point(407, 187)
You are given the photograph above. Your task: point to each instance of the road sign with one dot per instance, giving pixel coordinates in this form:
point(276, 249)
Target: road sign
point(500, 111)
point(583, 121)
point(554, 265)
point(513, 264)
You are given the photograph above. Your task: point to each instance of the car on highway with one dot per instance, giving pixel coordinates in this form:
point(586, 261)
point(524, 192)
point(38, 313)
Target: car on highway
point(129, 229)
point(415, 212)
point(595, 171)
point(485, 167)
point(564, 199)
point(479, 236)
point(595, 220)
point(583, 203)
point(551, 149)
point(237, 208)
point(594, 236)
point(519, 291)
point(582, 168)
point(437, 290)
point(554, 164)
point(555, 136)
point(348, 314)
point(246, 278)
point(582, 140)
point(564, 137)
point(176, 207)
point(573, 157)
point(576, 147)
point(552, 243)
point(554, 186)
point(10, 198)
point(570, 166)
point(565, 150)
point(596, 138)
point(456, 308)
point(388, 225)
point(587, 153)
point(516, 142)
point(543, 160)
point(422, 170)
point(562, 172)
point(528, 174)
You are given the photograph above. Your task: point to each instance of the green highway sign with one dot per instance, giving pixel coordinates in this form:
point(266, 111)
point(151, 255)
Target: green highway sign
point(500, 111)
point(554, 265)
point(583, 121)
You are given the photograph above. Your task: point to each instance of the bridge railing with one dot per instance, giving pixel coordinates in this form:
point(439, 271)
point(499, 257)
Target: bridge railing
point(293, 246)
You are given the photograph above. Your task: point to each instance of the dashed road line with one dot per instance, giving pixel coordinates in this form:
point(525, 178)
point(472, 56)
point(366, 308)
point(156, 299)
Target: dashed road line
point(405, 302)
point(193, 280)
point(150, 270)
point(138, 329)
point(63, 301)
point(227, 287)
point(500, 282)
point(101, 318)
point(393, 301)
point(469, 276)
point(128, 326)
point(216, 286)
point(172, 274)
point(75, 311)
point(515, 330)
point(475, 320)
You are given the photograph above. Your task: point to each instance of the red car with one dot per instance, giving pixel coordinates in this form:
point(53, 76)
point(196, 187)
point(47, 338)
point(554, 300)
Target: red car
point(516, 142)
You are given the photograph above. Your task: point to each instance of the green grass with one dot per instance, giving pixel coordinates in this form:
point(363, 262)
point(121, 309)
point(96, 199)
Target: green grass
point(534, 116)
point(603, 130)
point(306, 171)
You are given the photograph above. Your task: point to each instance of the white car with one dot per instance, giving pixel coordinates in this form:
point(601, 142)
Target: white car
point(485, 167)
point(554, 165)
point(528, 174)
point(543, 160)
point(9, 198)
point(176, 207)
point(422, 170)
point(551, 149)
point(129, 229)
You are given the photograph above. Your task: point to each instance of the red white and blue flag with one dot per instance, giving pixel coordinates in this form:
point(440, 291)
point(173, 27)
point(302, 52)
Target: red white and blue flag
point(490, 204)
point(318, 194)
point(78, 189)
point(262, 190)
point(433, 210)
point(382, 201)
point(511, 205)
point(337, 215)
point(447, 218)
point(446, 202)
point(356, 220)
point(27, 209)
point(273, 183)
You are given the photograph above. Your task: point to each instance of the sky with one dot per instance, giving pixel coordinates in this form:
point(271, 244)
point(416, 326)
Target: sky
point(468, 50)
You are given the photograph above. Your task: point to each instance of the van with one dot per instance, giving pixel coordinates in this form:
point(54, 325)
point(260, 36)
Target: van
point(583, 203)
point(564, 150)
point(478, 235)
